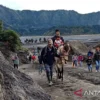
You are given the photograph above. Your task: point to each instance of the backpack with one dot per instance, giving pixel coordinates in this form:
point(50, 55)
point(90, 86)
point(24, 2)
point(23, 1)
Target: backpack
point(90, 54)
point(45, 52)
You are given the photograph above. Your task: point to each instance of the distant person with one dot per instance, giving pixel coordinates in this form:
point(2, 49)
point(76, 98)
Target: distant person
point(36, 41)
point(48, 58)
point(97, 58)
point(41, 67)
point(30, 58)
point(31, 40)
point(38, 50)
point(33, 52)
point(40, 40)
point(44, 39)
point(57, 39)
point(74, 60)
point(16, 61)
point(90, 53)
point(89, 63)
point(80, 59)
point(33, 57)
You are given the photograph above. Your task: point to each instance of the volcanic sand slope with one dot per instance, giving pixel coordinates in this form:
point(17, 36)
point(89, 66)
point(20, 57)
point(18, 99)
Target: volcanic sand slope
point(15, 85)
point(74, 79)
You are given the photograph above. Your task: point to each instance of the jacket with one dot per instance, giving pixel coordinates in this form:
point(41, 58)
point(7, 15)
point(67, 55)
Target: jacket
point(48, 55)
point(80, 58)
point(74, 58)
point(90, 54)
point(97, 56)
point(89, 61)
point(16, 61)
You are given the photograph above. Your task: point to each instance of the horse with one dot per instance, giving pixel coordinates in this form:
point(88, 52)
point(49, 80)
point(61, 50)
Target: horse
point(62, 51)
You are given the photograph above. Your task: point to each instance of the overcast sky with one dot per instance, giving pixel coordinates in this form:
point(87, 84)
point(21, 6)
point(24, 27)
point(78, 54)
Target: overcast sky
point(81, 6)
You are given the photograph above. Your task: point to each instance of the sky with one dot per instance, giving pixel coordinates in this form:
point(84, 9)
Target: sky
point(81, 6)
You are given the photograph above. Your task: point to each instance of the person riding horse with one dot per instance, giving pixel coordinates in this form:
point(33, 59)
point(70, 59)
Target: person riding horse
point(57, 39)
point(58, 42)
point(62, 50)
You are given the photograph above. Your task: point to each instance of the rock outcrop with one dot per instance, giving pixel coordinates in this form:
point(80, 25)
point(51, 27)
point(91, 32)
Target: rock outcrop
point(23, 57)
point(8, 55)
point(78, 47)
point(15, 85)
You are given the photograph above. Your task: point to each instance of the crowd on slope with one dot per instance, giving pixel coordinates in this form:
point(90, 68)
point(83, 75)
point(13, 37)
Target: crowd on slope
point(47, 56)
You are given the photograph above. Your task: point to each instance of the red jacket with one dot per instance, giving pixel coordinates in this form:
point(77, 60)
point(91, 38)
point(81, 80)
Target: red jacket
point(33, 57)
point(80, 58)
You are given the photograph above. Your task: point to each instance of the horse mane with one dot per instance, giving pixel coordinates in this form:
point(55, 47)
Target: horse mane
point(66, 47)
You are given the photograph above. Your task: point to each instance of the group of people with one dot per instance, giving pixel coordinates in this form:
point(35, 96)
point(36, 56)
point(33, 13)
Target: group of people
point(49, 52)
point(93, 58)
point(47, 55)
point(31, 57)
point(77, 60)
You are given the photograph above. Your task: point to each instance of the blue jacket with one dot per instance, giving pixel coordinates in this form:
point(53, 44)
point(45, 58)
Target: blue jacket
point(90, 54)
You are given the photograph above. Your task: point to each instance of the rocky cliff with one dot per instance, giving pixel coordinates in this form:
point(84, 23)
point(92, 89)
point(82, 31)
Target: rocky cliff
point(15, 85)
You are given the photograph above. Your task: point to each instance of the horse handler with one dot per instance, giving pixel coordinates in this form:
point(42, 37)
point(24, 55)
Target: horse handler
point(48, 58)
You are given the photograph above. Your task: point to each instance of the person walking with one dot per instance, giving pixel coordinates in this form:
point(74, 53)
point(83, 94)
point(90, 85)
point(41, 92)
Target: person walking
point(48, 58)
point(74, 60)
point(41, 67)
point(30, 58)
point(16, 61)
point(80, 59)
point(97, 58)
point(90, 53)
point(89, 63)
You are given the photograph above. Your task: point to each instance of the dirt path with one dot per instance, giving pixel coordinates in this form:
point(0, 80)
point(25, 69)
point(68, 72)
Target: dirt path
point(72, 81)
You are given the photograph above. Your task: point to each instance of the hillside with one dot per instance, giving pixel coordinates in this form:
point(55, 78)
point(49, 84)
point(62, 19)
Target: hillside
point(15, 85)
point(28, 22)
point(79, 30)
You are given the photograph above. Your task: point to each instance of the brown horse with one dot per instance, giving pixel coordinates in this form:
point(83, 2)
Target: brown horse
point(60, 61)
